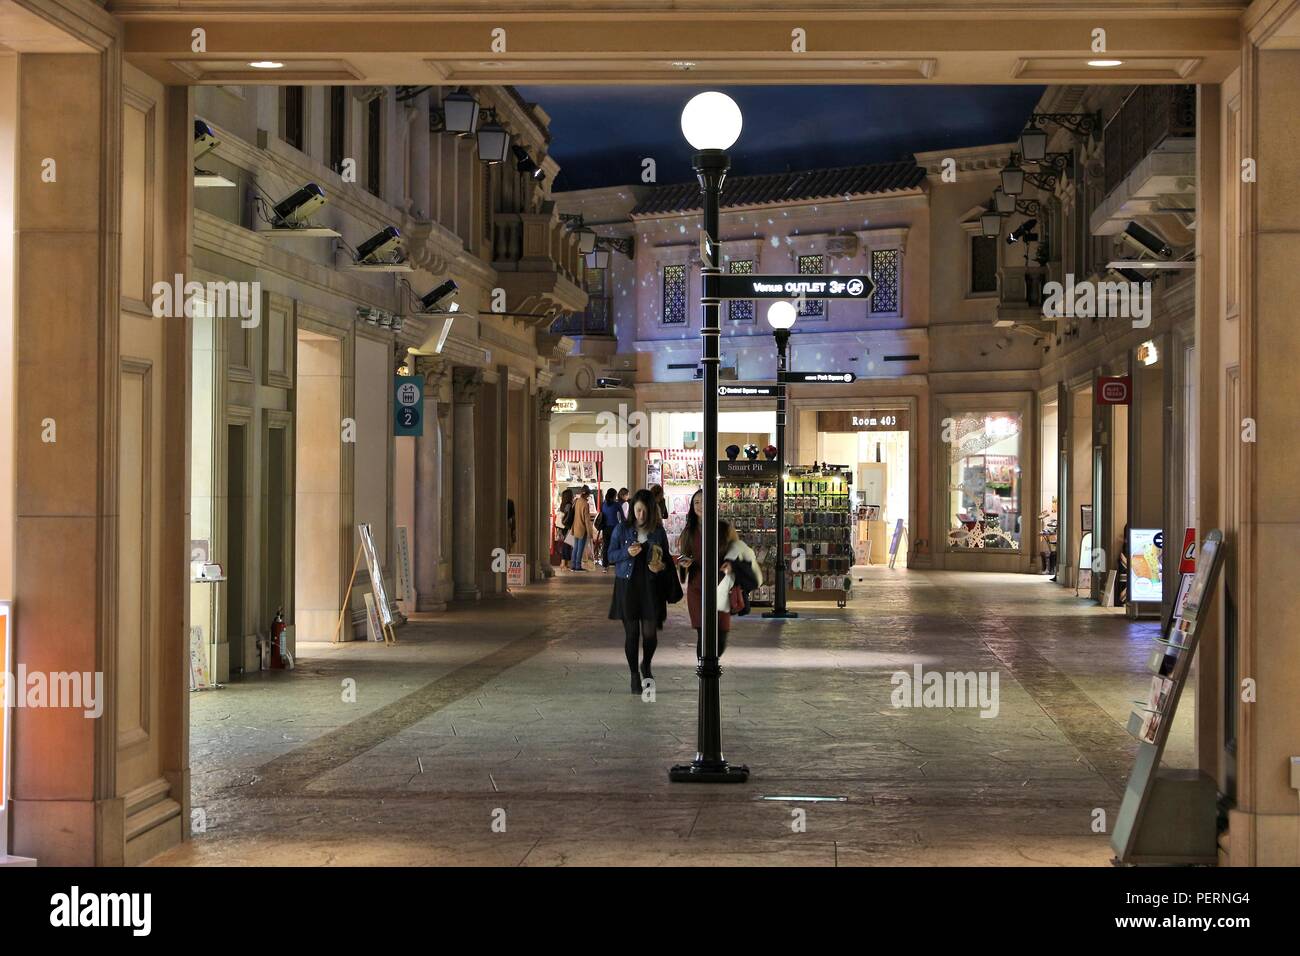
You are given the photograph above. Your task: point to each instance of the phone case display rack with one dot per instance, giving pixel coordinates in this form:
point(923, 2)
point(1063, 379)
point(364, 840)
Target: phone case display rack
point(573, 468)
point(681, 472)
point(1168, 816)
point(819, 519)
point(749, 506)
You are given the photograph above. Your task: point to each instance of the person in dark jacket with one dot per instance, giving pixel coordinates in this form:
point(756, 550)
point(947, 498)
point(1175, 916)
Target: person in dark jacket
point(658, 492)
point(640, 552)
point(563, 522)
point(611, 516)
point(728, 561)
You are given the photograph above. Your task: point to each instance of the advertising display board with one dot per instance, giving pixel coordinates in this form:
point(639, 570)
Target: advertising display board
point(6, 734)
point(1145, 558)
point(5, 671)
point(405, 587)
point(376, 574)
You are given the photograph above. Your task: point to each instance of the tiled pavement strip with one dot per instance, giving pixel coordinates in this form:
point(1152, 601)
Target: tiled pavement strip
point(521, 704)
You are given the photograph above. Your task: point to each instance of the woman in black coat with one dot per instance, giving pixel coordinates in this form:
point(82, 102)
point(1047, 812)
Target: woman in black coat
point(639, 550)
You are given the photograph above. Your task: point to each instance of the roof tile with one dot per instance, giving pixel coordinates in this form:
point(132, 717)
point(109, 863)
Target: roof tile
point(787, 187)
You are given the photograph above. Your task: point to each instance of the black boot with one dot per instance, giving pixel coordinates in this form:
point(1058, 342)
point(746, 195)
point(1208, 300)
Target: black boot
point(636, 684)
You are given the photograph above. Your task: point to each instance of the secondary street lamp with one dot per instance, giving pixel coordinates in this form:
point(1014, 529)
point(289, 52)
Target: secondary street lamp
point(711, 124)
point(781, 316)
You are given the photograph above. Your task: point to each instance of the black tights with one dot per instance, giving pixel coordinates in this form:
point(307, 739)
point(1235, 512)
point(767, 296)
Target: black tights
point(645, 634)
point(699, 644)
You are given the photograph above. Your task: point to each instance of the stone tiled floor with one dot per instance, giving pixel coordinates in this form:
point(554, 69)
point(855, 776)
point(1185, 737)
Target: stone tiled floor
point(521, 705)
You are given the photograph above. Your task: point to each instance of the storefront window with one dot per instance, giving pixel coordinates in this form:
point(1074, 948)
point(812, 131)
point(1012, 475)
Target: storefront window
point(984, 484)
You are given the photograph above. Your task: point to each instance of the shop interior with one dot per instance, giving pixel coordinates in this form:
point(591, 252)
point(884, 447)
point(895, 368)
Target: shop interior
point(985, 481)
point(1079, 516)
point(875, 445)
point(588, 431)
point(1048, 488)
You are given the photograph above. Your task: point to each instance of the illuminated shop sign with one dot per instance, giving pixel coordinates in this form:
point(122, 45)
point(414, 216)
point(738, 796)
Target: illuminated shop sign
point(873, 420)
point(565, 405)
point(1114, 390)
point(741, 286)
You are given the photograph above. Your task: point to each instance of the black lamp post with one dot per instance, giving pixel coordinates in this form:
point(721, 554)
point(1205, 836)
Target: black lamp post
point(711, 123)
point(781, 316)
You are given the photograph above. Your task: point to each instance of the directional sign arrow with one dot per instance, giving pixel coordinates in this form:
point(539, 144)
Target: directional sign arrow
point(740, 286)
point(818, 378)
point(751, 391)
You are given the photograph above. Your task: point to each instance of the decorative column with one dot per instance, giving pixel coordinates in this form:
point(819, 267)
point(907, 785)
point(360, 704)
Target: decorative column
point(465, 385)
point(543, 402)
point(1259, 497)
point(429, 489)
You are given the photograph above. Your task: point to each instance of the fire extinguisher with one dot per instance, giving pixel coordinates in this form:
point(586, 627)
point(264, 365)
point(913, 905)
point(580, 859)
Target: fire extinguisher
point(277, 641)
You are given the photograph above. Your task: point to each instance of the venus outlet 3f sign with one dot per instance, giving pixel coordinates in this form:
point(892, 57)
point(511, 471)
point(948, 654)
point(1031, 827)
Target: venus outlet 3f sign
point(729, 286)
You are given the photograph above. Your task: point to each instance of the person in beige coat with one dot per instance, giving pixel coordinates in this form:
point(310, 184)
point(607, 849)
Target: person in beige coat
point(584, 527)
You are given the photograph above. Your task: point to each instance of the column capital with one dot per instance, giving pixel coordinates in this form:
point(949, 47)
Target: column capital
point(436, 370)
point(545, 401)
point(465, 384)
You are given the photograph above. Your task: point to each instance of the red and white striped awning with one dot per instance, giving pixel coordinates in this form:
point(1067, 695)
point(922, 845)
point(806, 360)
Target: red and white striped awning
point(576, 454)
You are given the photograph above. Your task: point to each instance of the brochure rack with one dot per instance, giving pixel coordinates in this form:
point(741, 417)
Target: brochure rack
point(1168, 816)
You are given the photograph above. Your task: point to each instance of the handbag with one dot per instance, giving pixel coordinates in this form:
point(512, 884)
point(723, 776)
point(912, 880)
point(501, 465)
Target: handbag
point(670, 585)
point(736, 600)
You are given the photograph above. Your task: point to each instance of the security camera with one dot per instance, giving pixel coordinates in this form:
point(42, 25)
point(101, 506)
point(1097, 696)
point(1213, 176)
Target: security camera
point(435, 301)
point(525, 163)
point(1144, 240)
point(383, 246)
point(1023, 232)
point(608, 382)
point(295, 210)
point(205, 141)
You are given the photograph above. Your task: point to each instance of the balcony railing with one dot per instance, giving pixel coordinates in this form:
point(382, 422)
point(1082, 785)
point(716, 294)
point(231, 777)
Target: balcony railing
point(594, 321)
point(530, 242)
point(1149, 116)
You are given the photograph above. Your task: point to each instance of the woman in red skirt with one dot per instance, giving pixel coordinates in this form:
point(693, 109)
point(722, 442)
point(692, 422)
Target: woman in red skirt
point(688, 543)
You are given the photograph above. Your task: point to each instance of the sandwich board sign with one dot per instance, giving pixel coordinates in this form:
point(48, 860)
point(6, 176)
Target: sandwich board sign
point(516, 570)
point(895, 541)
